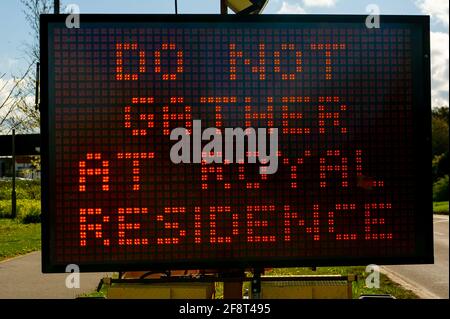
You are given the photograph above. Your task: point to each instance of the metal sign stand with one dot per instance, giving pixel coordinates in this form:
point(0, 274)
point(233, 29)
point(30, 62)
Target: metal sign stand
point(231, 289)
point(256, 283)
point(202, 286)
point(13, 192)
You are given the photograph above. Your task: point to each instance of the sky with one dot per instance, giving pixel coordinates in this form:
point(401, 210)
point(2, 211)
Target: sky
point(15, 32)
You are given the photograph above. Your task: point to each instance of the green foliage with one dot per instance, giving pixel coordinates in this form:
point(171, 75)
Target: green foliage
point(36, 162)
point(34, 168)
point(440, 189)
point(28, 205)
point(440, 207)
point(441, 112)
point(17, 238)
point(440, 143)
point(439, 136)
point(28, 210)
point(440, 123)
point(440, 166)
point(25, 189)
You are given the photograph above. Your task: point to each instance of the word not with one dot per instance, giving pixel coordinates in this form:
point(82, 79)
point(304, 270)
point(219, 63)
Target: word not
point(261, 66)
point(234, 144)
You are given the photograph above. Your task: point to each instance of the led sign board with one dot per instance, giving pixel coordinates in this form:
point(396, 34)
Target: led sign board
point(350, 106)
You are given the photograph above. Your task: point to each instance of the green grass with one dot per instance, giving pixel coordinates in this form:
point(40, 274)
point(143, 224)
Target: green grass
point(17, 238)
point(25, 189)
point(359, 288)
point(96, 294)
point(440, 207)
point(27, 210)
point(103, 291)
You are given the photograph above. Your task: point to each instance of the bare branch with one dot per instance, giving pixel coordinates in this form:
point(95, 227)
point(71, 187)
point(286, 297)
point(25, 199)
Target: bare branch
point(16, 84)
point(18, 109)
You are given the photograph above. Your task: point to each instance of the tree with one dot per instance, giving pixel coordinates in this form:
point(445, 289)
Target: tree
point(439, 123)
point(32, 10)
point(440, 166)
point(440, 189)
point(439, 136)
point(441, 112)
point(17, 94)
point(12, 97)
point(440, 142)
point(28, 115)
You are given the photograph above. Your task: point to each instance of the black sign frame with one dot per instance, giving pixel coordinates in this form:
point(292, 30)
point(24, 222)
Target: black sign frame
point(422, 136)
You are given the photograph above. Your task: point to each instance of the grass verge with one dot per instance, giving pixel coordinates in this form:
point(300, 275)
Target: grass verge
point(28, 210)
point(440, 207)
point(387, 286)
point(17, 238)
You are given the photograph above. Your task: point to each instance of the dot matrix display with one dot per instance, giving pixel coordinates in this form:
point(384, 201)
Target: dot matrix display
point(344, 101)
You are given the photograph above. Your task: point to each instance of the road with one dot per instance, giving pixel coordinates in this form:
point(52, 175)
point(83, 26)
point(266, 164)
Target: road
point(21, 277)
point(427, 281)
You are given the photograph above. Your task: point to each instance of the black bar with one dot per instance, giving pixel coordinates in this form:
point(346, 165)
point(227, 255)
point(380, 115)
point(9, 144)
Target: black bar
point(223, 7)
point(13, 192)
point(36, 92)
point(56, 6)
point(25, 144)
point(256, 283)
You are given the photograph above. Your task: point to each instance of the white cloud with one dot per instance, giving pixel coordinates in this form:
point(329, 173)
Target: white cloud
point(437, 9)
point(319, 3)
point(294, 6)
point(6, 86)
point(8, 103)
point(287, 8)
point(439, 68)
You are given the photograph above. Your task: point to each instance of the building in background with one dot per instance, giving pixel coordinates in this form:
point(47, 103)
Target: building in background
point(26, 167)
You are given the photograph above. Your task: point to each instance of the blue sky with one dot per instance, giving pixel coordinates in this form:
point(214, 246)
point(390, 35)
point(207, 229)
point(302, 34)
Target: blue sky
point(15, 32)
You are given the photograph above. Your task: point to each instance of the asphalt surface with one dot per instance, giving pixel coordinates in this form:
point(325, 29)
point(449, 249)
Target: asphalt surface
point(427, 281)
point(21, 278)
